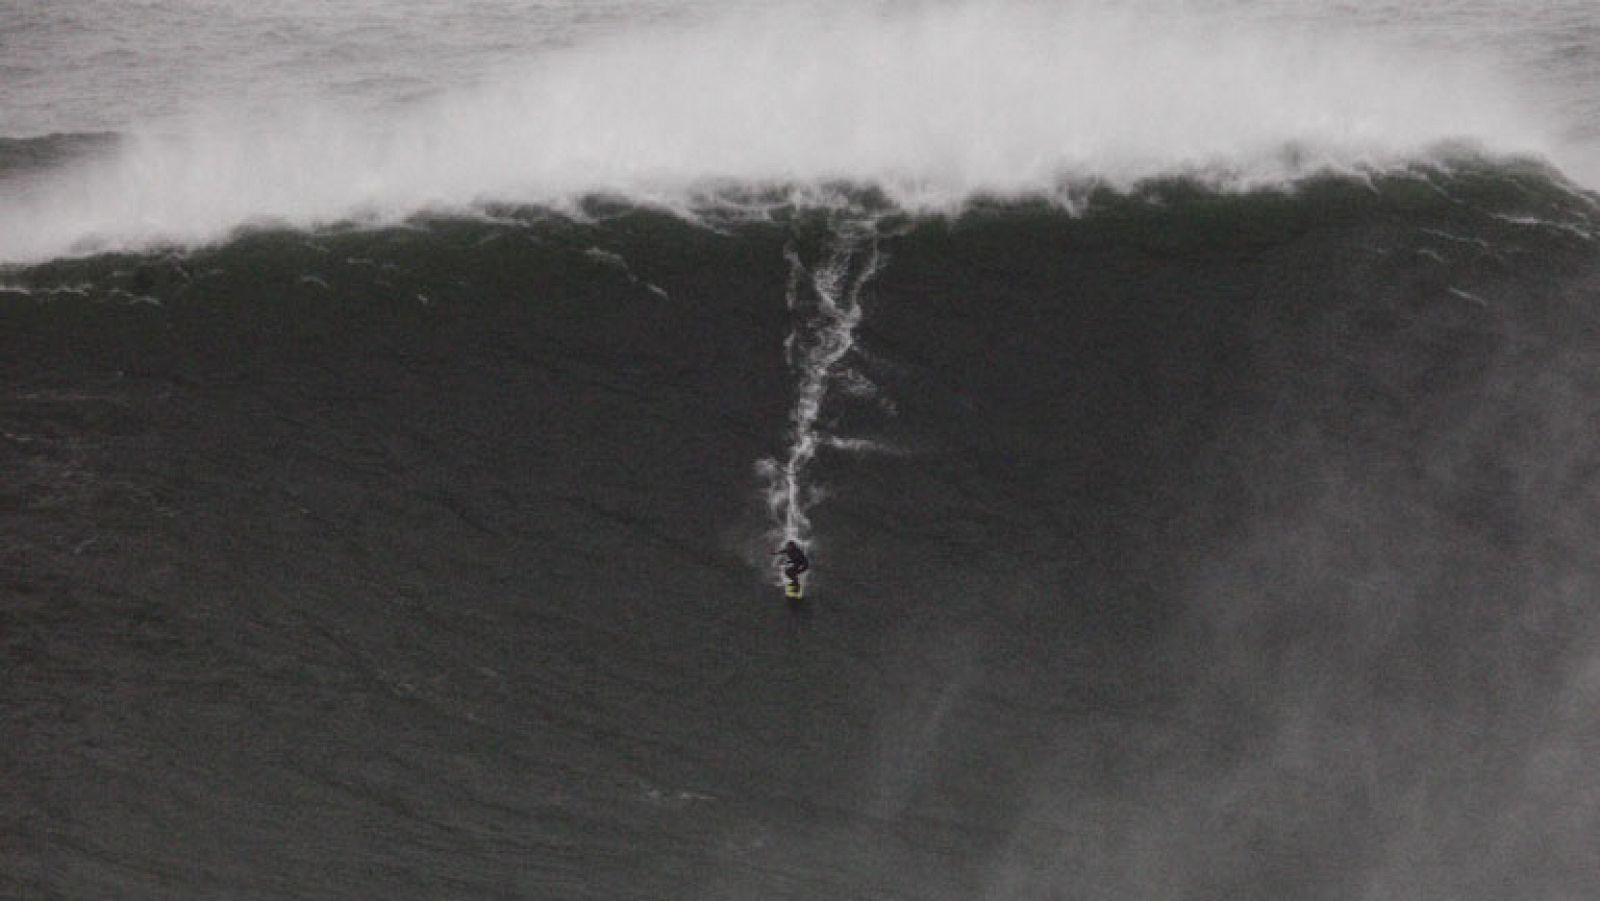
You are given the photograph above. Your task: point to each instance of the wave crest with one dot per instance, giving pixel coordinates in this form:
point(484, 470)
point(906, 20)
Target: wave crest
point(931, 105)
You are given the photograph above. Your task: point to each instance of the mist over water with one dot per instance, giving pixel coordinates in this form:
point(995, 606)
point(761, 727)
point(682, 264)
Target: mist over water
point(932, 103)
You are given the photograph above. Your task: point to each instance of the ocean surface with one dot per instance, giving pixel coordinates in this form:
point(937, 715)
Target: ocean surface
point(1191, 411)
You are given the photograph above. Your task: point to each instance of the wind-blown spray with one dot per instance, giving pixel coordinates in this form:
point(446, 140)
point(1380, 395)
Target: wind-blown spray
point(826, 299)
point(931, 103)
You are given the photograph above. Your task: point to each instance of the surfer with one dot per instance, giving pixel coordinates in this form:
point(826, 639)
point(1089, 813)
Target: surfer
point(795, 564)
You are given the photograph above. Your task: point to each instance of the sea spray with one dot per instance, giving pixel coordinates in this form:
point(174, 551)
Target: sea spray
point(931, 103)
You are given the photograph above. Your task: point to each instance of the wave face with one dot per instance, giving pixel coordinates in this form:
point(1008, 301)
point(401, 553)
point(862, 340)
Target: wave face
point(1193, 544)
point(930, 103)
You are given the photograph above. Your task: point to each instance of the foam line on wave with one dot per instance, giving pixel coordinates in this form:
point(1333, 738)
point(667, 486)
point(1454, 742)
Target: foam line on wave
point(826, 299)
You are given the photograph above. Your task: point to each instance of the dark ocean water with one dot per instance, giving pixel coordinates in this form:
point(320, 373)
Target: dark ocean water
point(1197, 544)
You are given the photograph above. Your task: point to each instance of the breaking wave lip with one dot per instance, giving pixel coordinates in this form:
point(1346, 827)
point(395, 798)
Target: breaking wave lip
point(932, 106)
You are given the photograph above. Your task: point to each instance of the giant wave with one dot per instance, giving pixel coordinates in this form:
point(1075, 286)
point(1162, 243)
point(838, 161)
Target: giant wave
point(1228, 544)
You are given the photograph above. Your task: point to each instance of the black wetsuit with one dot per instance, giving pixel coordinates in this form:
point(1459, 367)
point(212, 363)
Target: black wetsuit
point(797, 562)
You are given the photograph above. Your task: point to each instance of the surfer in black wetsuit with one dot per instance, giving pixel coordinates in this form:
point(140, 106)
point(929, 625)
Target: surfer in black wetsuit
point(796, 564)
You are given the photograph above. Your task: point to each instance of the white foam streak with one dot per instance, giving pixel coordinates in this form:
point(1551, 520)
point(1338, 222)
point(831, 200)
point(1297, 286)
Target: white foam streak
point(816, 347)
point(930, 103)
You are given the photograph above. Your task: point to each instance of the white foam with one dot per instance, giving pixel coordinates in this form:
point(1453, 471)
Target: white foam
point(932, 103)
point(822, 338)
